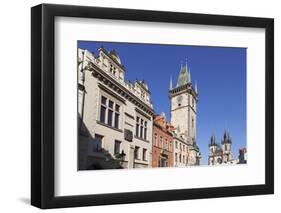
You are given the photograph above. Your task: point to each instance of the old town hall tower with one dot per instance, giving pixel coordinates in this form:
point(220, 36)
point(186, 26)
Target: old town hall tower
point(183, 101)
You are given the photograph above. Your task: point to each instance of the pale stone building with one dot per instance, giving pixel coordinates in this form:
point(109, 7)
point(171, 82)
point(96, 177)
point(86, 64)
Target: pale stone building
point(183, 101)
point(115, 115)
point(181, 151)
point(221, 154)
point(242, 157)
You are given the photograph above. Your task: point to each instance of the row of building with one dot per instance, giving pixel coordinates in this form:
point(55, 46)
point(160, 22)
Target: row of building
point(118, 127)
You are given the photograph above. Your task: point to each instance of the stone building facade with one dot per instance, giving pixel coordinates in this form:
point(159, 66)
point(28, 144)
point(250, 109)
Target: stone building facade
point(163, 147)
point(115, 115)
point(242, 157)
point(183, 111)
point(221, 153)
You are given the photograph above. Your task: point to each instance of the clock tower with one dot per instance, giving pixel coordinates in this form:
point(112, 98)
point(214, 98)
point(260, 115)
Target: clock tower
point(183, 101)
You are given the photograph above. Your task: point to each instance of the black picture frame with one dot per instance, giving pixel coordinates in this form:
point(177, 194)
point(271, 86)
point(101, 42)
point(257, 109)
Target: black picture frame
point(43, 105)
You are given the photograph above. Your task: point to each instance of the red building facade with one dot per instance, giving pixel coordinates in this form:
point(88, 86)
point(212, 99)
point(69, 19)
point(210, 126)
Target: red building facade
point(162, 148)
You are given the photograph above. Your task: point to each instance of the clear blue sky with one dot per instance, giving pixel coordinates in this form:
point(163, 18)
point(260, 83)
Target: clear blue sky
point(221, 78)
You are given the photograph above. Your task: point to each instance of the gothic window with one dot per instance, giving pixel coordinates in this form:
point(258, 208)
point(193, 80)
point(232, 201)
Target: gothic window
point(192, 122)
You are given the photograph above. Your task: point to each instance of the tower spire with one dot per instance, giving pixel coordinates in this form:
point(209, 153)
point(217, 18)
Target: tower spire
point(189, 75)
point(195, 87)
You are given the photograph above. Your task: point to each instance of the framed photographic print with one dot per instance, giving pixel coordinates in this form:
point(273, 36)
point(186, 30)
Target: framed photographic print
point(139, 106)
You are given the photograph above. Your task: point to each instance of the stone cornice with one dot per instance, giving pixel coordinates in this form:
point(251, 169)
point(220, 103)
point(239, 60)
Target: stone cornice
point(119, 88)
point(142, 113)
point(183, 89)
point(107, 90)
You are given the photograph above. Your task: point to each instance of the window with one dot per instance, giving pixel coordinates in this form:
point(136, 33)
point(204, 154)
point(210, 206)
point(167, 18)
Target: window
point(110, 104)
point(180, 147)
point(176, 144)
point(102, 114)
point(171, 148)
point(109, 114)
point(183, 148)
point(103, 100)
point(97, 143)
point(116, 120)
point(137, 127)
point(103, 109)
point(117, 115)
point(176, 157)
point(183, 159)
point(141, 128)
point(192, 123)
point(112, 68)
point(117, 146)
point(109, 117)
point(145, 130)
point(161, 142)
point(180, 158)
point(155, 139)
point(136, 152)
point(144, 151)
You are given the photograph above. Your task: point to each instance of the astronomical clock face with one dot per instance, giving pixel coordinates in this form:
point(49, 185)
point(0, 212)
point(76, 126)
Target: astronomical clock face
point(179, 99)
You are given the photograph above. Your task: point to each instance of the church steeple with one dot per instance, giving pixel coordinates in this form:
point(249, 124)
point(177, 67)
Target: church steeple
point(226, 138)
point(213, 140)
point(189, 76)
point(183, 76)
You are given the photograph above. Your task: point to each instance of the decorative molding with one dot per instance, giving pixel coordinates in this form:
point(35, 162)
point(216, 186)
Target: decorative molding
point(105, 77)
point(107, 90)
point(143, 113)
